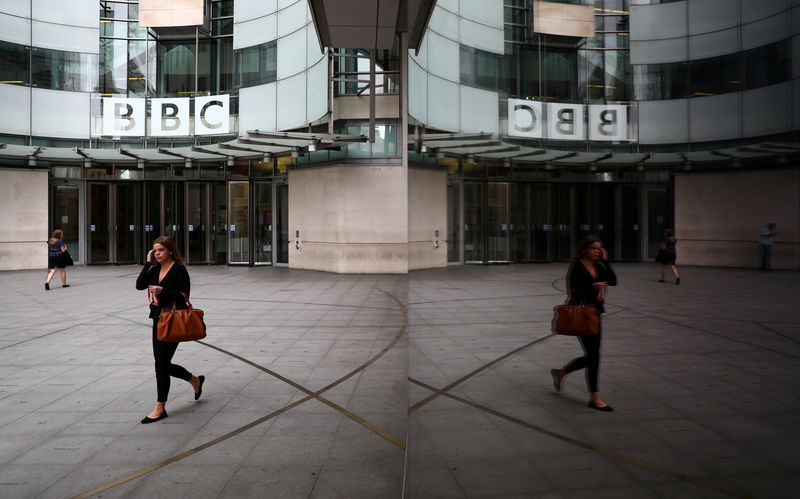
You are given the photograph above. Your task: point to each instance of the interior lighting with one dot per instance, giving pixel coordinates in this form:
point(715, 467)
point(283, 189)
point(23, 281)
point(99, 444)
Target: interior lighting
point(12, 81)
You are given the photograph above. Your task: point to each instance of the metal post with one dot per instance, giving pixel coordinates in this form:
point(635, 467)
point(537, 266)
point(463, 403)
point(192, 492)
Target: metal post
point(372, 96)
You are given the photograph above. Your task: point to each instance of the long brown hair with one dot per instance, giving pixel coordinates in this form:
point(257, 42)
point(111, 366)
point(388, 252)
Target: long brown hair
point(168, 243)
point(668, 234)
point(57, 234)
point(584, 245)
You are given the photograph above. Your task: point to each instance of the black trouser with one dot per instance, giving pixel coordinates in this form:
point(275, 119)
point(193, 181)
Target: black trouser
point(590, 360)
point(163, 352)
point(766, 256)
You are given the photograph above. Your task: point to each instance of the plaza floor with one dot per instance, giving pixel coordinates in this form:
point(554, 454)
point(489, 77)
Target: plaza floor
point(434, 384)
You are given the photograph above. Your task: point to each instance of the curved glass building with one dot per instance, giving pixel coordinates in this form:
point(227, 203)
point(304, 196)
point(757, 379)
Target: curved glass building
point(395, 135)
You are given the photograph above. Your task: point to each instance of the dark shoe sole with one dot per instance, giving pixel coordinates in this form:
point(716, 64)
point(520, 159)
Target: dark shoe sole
point(147, 420)
point(200, 388)
point(556, 385)
point(47, 286)
point(605, 408)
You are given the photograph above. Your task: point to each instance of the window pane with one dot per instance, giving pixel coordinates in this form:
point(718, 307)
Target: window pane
point(13, 63)
point(57, 70)
point(176, 69)
point(767, 65)
point(716, 75)
point(222, 9)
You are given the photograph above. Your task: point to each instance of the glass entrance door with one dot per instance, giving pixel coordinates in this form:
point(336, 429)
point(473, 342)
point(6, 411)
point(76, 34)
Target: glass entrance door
point(127, 227)
point(499, 226)
point(238, 225)
point(532, 217)
point(262, 205)
point(474, 222)
point(152, 214)
point(174, 212)
point(99, 223)
point(65, 202)
point(282, 239)
point(197, 214)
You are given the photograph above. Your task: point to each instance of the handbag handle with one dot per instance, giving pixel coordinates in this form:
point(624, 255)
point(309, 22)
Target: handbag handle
point(187, 302)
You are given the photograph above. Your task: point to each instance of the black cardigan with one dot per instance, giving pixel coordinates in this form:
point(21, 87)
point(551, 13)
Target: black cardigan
point(174, 283)
point(580, 283)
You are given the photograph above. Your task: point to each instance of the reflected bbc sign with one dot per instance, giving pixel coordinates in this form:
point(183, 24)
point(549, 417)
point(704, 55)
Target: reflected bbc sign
point(127, 117)
point(606, 122)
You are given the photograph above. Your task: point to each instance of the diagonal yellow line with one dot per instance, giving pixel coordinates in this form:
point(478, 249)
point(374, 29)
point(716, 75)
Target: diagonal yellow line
point(584, 445)
point(257, 422)
point(473, 373)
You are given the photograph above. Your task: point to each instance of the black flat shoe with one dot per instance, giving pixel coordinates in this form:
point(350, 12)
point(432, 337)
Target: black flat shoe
point(556, 384)
point(65, 285)
point(47, 286)
point(605, 408)
point(148, 420)
point(677, 280)
point(200, 387)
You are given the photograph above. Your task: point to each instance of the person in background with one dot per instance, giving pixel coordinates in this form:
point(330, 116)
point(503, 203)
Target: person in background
point(768, 234)
point(667, 256)
point(56, 258)
point(588, 277)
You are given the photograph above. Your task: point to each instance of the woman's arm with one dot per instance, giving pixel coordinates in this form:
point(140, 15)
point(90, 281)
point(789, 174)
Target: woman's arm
point(144, 276)
point(607, 273)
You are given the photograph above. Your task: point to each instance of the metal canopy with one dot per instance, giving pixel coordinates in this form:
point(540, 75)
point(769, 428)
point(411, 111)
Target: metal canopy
point(59, 154)
point(12, 151)
point(484, 146)
point(369, 24)
point(153, 156)
point(106, 155)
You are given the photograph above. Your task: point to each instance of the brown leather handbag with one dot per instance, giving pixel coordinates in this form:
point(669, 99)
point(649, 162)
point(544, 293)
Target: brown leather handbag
point(575, 320)
point(184, 324)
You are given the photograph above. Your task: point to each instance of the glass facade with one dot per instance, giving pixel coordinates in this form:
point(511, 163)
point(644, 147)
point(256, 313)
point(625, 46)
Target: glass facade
point(754, 68)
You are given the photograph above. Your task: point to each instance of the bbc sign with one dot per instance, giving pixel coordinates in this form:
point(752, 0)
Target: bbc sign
point(527, 118)
point(169, 117)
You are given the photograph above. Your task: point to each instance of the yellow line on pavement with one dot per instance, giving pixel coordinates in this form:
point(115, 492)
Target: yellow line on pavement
point(310, 395)
point(585, 445)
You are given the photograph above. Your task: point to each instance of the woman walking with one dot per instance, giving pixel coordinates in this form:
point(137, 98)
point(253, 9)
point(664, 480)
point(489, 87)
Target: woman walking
point(167, 281)
point(588, 277)
point(56, 258)
point(667, 255)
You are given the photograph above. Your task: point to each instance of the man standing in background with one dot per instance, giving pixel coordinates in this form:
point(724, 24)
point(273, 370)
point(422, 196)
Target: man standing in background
point(767, 238)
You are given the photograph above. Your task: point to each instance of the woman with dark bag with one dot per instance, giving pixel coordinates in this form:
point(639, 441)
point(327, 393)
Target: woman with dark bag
point(667, 256)
point(167, 281)
point(588, 277)
point(57, 258)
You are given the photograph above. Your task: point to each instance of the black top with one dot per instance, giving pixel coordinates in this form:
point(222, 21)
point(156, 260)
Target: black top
point(174, 283)
point(580, 283)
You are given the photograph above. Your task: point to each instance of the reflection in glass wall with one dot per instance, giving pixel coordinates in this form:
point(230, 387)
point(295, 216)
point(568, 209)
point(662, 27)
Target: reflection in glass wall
point(453, 223)
point(263, 222)
point(65, 201)
point(14, 63)
point(59, 70)
point(474, 222)
point(754, 68)
point(239, 227)
point(257, 65)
